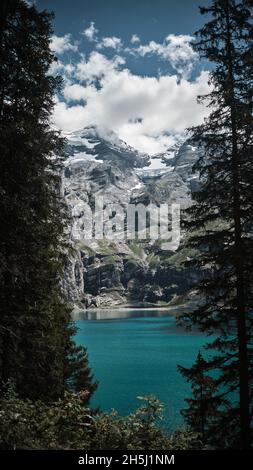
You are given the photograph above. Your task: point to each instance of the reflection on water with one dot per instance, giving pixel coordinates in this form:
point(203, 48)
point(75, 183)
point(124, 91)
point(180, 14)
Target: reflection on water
point(120, 313)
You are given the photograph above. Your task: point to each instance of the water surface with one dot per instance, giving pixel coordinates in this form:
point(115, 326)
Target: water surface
point(136, 352)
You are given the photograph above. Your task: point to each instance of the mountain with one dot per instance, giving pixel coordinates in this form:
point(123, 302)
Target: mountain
point(122, 272)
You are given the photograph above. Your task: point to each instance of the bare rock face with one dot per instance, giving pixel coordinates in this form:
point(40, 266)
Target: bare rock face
point(104, 272)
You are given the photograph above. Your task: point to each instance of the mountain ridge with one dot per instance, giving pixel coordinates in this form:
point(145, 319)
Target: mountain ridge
point(108, 272)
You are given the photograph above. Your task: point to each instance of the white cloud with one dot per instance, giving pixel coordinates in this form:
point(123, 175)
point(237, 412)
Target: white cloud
point(68, 117)
point(149, 113)
point(60, 68)
point(76, 92)
point(97, 66)
point(176, 49)
point(135, 39)
point(110, 42)
point(61, 44)
point(91, 32)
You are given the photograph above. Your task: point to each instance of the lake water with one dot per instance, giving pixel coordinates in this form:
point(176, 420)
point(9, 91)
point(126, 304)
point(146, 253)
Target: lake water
point(136, 352)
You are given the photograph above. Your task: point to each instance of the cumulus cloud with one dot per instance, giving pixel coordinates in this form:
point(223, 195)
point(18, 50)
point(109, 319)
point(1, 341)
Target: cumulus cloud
point(176, 49)
point(135, 39)
point(68, 117)
point(97, 66)
point(61, 44)
point(110, 42)
point(91, 32)
point(77, 92)
point(60, 68)
point(149, 113)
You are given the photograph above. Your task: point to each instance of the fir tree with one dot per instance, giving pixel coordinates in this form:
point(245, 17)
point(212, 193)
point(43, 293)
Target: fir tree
point(202, 406)
point(37, 351)
point(221, 217)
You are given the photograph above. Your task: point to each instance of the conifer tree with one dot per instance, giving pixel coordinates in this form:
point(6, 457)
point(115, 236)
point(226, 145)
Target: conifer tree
point(220, 220)
point(37, 352)
point(202, 406)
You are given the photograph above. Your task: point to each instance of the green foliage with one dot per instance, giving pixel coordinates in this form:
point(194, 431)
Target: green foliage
point(69, 424)
point(180, 258)
point(202, 410)
point(36, 346)
point(82, 246)
point(137, 249)
point(220, 222)
point(111, 259)
point(153, 260)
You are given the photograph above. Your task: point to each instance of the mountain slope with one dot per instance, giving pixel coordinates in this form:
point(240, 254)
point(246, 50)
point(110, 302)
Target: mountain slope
point(115, 272)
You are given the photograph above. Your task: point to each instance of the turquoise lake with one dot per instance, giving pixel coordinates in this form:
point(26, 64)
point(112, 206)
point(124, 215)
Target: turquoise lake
point(136, 352)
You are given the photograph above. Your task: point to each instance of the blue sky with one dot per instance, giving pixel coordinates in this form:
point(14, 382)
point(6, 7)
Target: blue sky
point(149, 19)
point(129, 66)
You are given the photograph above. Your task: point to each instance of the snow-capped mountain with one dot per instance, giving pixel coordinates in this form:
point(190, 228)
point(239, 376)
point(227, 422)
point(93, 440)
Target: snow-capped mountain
point(103, 146)
point(103, 272)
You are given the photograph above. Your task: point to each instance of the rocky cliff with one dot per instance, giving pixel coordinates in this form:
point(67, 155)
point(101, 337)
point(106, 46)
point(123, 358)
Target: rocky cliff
point(108, 272)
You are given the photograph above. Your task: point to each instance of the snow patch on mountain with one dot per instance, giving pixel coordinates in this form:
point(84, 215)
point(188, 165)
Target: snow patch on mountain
point(100, 164)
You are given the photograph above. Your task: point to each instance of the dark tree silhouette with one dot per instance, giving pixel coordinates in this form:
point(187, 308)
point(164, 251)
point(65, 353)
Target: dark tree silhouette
point(202, 408)
point(37, 351)
point(220, 220)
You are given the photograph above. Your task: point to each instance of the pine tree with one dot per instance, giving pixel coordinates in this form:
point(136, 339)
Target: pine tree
point(202, 408)
point(220, 220)
point(77, 373)
point(36, 334)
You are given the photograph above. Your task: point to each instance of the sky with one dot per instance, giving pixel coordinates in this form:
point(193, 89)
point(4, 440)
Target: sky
point(129, 66)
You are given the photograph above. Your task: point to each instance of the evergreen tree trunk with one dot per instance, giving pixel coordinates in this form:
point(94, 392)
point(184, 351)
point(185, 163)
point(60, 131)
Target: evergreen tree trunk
point(239, 257)
point(220, 221)
point(37, 350)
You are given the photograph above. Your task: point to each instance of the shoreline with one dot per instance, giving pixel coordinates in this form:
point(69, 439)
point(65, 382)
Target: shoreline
point(93, 309)
point(97, 313)
point(141, 306)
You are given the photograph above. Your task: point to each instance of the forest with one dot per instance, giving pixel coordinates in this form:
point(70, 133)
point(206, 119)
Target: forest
point(47, 383)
